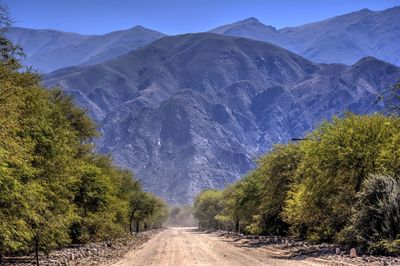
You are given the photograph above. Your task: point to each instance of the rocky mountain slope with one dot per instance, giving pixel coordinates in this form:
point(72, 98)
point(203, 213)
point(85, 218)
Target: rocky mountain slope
point(48, 50)
point(194, 111)
point(343, 39)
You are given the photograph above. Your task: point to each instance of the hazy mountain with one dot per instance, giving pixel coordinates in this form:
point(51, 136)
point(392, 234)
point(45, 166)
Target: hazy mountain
point(193, 111)
point(343, 39)
point(48, 50)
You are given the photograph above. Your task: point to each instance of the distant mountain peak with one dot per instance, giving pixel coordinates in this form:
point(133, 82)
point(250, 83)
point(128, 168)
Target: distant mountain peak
point(251, 19)
point(370, 60)
point(365, 10)
point(242, 26)
point(139, 27)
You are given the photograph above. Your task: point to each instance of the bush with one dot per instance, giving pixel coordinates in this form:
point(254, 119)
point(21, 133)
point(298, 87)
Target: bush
point(385, 247)
point(375, 222)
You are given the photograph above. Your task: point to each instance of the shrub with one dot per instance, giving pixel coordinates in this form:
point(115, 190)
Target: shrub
point(375, 222)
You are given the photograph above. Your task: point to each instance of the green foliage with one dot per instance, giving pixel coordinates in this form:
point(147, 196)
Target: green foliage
point(10, 54)
point(54, 189)
point(276, 171)
point(337, 158)
point(385, 247)
point(239, 202)
point(376, 214)
point(147, 209)
point(207, 205)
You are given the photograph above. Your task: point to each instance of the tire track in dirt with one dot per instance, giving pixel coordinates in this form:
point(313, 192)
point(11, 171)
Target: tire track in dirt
point(187, 246)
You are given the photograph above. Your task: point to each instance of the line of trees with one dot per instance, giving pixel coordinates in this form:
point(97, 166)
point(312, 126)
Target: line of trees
point(54, 189)
point(341, 184)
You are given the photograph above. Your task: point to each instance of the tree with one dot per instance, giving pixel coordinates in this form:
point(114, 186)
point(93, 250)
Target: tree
point(337, 158)
point(147, 209)
point(376, 214)
point(10, 54)
point(275, 173)
point(207, 205)
point(54, 188)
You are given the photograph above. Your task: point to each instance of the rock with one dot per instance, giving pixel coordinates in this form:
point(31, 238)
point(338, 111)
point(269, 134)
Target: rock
point(353, 253)
point(337, 251)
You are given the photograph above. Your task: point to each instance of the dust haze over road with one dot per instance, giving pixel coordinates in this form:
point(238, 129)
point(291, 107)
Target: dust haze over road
point(187, 246)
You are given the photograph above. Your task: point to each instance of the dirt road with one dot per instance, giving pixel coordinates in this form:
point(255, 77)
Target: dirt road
point(186, 247)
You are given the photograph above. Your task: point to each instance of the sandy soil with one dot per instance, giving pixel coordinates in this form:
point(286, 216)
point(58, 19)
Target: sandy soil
point(187, 246)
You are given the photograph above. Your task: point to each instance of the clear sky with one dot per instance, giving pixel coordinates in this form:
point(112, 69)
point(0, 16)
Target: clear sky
point(176, 16)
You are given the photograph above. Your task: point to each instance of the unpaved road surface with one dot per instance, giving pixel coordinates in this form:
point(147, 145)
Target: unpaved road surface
point(187, 246)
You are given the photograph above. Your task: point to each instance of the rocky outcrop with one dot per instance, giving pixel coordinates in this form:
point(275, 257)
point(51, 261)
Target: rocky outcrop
point(194, 111)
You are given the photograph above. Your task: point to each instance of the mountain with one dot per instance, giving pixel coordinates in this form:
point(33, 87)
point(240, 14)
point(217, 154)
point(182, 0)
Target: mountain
point(194, 111)
point(48, 50)
point(249, 28)
point(343, 39)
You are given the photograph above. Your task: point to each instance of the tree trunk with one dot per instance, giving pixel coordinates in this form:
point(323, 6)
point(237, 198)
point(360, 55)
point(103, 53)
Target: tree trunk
point(37, 250)
point(237, 227)
point(1, 259)
point(137, 226)
point(130, 222)
point(145, 226)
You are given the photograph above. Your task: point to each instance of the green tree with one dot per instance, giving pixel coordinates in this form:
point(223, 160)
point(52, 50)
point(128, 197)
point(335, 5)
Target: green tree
point(337, 158)
point(54, 188)
point(376, 214)
point(207, 205)
point(275, 173)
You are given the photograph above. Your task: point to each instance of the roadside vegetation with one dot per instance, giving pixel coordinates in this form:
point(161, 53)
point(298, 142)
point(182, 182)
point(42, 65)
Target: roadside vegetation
point(340, 184)
point(55, 190)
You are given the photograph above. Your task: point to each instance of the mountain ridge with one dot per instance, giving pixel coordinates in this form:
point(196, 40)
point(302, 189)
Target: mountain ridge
point(48, 50)
point(341, 39)
point(193, 111)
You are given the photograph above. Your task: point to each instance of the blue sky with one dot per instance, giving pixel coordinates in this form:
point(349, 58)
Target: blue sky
point(176, 16)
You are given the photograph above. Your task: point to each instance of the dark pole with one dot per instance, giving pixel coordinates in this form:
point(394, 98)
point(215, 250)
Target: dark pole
point(137, 226)
point(37, 249)
point(130, 222)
